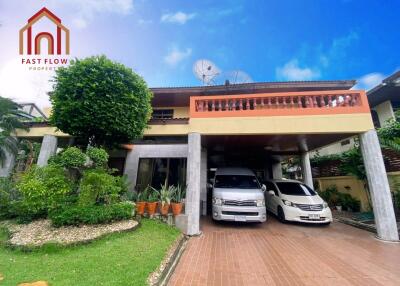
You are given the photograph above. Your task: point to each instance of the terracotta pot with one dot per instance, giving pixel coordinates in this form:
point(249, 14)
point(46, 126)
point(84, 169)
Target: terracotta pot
point(140, 207)
point(164, 208)
point(176, 208)
point(151, 207)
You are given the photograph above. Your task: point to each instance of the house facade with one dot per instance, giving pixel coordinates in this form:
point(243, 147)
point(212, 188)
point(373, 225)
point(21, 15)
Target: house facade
point(195, 130)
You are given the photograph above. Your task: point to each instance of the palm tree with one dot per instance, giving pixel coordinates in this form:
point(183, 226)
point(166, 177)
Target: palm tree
point(10, 120)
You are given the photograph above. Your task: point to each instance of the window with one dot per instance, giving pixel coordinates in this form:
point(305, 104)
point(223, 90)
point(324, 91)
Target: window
point(271, 187)
point(236, 182)
point(162, 114)
point(295, 189)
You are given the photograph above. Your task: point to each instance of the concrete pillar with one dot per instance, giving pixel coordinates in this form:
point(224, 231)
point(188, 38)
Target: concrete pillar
point(8, 164)
point(192, 204)
point(131, 167)
point(48, 149)
point(306, 168)
point(203, 179)
point(277, 170)
point(378, 186)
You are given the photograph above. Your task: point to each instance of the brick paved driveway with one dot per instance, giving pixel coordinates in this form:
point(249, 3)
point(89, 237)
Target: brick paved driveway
point(278, 254)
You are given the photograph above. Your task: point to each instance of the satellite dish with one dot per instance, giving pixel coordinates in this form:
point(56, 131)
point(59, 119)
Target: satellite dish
point(233, 77)
point(206, 71)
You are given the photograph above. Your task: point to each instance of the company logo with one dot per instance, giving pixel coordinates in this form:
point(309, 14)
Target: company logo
point(31, 42)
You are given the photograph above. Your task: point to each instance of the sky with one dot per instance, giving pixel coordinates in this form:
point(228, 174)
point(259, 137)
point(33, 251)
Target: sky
point(249, 40)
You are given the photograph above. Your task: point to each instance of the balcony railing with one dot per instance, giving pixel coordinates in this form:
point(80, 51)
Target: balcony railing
point(280, 104)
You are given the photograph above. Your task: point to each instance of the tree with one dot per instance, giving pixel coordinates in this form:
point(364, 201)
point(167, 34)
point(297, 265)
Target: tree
point(389, 134)
point(100, 102)
point(10, 120)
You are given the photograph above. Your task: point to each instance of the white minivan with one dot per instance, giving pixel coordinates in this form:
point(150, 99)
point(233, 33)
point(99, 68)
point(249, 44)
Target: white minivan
point(237, 195)
point(292, 200)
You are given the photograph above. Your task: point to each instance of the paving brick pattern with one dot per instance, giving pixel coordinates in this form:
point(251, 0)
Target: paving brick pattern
point(286, 254)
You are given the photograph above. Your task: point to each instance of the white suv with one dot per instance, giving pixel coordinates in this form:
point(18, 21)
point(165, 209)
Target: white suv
point(294, 201)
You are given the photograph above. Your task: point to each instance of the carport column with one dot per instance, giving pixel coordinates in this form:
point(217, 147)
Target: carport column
point(306, 168)
point(48, 149)
point(8, 164)
point(203, 184)
point(277, 170)
point(379, 186)
point(192, 206)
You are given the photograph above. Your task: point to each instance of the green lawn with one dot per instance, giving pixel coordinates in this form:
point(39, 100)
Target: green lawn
point(118, 259)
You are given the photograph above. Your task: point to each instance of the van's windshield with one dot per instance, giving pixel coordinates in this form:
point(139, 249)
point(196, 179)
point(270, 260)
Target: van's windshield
point(236, 181)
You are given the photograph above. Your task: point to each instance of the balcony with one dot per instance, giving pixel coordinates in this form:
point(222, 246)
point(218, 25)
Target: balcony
point(280, 104)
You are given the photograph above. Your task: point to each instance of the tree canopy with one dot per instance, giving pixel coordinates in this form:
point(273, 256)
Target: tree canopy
point(10, 119)
point(100, 101)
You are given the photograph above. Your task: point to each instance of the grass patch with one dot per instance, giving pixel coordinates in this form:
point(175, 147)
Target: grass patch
point(118, 259)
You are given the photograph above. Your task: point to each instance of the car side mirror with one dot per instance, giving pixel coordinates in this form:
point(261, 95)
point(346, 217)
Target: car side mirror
point(263, 188)
point(271, 192)
point(209, 185)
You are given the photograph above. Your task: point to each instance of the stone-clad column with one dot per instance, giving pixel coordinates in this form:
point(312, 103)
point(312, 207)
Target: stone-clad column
point(8, 164)
point(192, 204)
point(48, 149)
point(277, 170)
point(306, 168)
point(379, 186)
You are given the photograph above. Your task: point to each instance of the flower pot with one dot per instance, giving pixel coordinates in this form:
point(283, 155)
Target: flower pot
point(164, 208)
point(140, 207)
point(176, 208)
point(151, 208)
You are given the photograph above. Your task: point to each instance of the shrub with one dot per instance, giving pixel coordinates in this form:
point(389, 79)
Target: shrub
point(42, 189)
point(76, 215)
point(98, 186)
point(7, 195)
point(98, 156)
point(334, 198)
point(72, 157)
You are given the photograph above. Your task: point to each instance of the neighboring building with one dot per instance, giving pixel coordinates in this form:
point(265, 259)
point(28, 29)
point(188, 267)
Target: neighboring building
point(384, 100)
point(32, 112)
point(195, 130)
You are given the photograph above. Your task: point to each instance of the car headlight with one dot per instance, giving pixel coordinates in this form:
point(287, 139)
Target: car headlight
point(289, 203)
point(325, 205)
point(217, 201)
point(260, 203)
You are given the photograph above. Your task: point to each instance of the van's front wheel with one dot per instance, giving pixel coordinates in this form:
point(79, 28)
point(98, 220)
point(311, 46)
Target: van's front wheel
point(281, 215)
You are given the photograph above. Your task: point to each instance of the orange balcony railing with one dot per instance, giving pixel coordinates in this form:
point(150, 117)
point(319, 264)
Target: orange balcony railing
point(280, 104)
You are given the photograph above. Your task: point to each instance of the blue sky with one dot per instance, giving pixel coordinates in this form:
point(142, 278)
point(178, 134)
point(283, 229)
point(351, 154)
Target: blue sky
point(267, 40)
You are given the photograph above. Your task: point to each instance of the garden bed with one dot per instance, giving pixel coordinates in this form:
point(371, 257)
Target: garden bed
point(41, 232)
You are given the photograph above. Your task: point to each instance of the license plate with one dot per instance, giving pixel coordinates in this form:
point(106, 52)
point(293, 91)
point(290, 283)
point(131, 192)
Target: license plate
point(313, 216)
point(240, 218)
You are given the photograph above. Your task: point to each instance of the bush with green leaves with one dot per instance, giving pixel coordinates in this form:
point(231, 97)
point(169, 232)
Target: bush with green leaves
point(73, 157)
point(98, 156)
point(7, 196)
point(97, 186)
point(42, 189)
point(77, 215)
point(100, 102)
point(335, 198)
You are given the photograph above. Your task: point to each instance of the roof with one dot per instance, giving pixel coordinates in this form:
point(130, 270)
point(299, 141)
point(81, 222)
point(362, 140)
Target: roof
point(179, 96)
point(234, 171)
point(388, 89)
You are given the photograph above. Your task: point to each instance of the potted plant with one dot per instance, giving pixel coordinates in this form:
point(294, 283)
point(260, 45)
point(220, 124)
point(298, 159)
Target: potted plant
point(141, 201)
point(165, 198)
point(177, 200)
point(152, 200)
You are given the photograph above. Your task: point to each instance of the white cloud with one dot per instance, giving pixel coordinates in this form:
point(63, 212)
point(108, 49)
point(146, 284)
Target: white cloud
point(86, 10)
point(23, 85)
point(176, 55)
point(292, 71)
point(178, 17)
point(369, 81)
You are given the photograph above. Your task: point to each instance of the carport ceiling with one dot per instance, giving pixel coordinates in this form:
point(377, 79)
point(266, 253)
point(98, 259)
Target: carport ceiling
point(278, 144)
